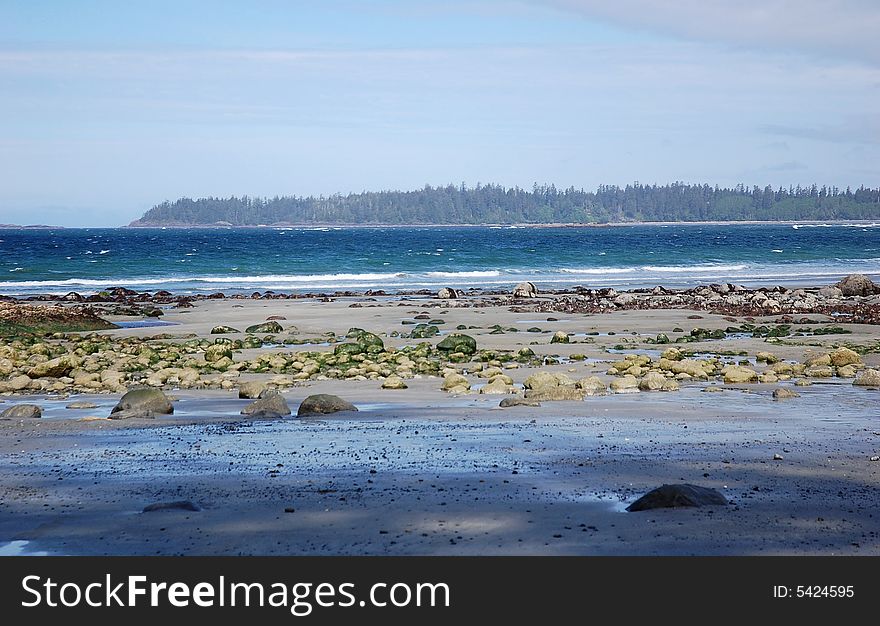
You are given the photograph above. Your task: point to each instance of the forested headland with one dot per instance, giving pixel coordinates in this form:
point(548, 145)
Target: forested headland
point(543, 204)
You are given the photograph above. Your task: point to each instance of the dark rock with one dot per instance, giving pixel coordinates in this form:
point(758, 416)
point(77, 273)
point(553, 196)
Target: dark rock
point(323, 404)
point(675, 496)
point(269, 404)
point(517, 401)
point(21, 411)
point(268, 327)
point(142, 402)
point(457, 342)
point(224, 330)
point(179, 505)
point(447, 293)
point(858, 285)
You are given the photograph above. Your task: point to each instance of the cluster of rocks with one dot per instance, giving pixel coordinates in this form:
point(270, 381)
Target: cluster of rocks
point(16, 318)
point(855, 299)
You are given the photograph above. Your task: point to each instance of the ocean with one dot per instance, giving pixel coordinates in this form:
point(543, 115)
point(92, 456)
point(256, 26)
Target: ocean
point(406, 258)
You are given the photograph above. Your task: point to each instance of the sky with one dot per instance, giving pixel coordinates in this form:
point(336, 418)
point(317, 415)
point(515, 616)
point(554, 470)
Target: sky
point(107, 108)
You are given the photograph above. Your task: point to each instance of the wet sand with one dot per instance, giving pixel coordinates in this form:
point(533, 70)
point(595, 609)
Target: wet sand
point(420, 471)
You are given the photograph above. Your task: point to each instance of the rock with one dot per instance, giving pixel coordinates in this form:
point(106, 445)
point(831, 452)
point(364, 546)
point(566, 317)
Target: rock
point(857, 285)
point(217, 351)
point(592, 386)
point(394, 382)
point(447, 293)
point(777, 457)
point(868, 378)
point(691, 367)
point(781, 393)
point(455, 380)
point(267, 327)
point(819, 371)
point(847, 371)
point(818, 360)
point(506, 403)
point(845, 356)
point(525, 290)
point(652, 381)
point(671, 385)
point(672, 354)
point(251, 389)
point(459, 389)
point(17, 383)
point(830, 292)
point(22, 411)
point(53, 368)
point(768, 377)
point(625, 384)
point(553, 394)
point(457, 342)
point(142, 402)
point(676, 496)
point(541, 379)
point(269, 404)
point(767, 357)
point(734, 374)
point(559, 337)
point(179, 505)
point(224, 330)
point(497, 386)
point(82, 404)
point(323, 404)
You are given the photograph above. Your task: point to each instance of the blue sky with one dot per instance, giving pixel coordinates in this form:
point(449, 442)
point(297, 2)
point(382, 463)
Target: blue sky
point(107, 108)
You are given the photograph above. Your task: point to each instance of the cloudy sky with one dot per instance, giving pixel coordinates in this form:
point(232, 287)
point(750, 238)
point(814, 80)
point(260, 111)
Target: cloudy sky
point(107, 108)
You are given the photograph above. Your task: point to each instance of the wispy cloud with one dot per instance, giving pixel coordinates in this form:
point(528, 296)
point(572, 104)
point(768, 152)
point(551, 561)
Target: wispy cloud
point(852, 131)
point(847, 28)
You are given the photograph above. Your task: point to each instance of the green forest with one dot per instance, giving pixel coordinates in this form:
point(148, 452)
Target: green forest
point(543, 204)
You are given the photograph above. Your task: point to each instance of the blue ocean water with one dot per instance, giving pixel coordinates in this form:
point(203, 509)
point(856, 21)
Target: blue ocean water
point(322, 259)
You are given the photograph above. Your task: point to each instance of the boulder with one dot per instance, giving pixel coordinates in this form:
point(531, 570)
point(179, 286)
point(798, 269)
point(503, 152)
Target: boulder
point(736, 374)
point(267, 327)
point(497, 386)
point(676, 496)
point(455, 380)
point(625, 384)
point(457, 342)
point(525, 290)
point(251, 389)
point(819, 371)
point(559, 337)
point(592, 386)
point(17, 383)
point(394, 382)
point(224, 330)
point(652, 381)
point(217, 351)
point(845, 356)
point(269, 404)
point(671, 385)
point(507, 403)
point(447, 293)
point(830, 292)
point(847, 371)
point(553, 394)
point(53, 368)
point(781, 393)
point(22, 411)
point(857, 285)
point(821, 360)
point(691, 367)
point(767, 357)
point(868, 378)
point(142, 402)
point(82, 404)
point(323, 404)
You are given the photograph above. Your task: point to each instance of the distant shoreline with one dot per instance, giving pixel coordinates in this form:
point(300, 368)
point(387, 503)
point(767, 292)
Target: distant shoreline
point(496, 225)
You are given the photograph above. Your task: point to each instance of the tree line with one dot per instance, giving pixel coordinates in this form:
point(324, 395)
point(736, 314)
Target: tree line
point(543, 204)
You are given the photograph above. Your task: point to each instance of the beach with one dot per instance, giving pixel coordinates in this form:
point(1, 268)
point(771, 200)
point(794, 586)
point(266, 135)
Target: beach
point(423, 470)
